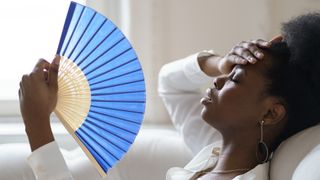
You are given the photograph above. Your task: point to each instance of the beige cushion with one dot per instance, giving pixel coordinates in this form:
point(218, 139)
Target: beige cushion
point(309, 167)
point(291, 152)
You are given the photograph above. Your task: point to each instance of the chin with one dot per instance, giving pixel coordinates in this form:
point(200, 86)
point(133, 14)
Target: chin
point(206, 115)
point(210, 117)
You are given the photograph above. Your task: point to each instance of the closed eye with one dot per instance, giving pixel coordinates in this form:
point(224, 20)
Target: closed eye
point(235, 75)
point(232, 77)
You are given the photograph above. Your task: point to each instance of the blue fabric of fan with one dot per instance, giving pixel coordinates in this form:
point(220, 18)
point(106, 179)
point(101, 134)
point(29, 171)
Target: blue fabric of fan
point(116, 81)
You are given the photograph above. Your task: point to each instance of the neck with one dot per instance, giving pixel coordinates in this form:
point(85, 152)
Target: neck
point(238, 152)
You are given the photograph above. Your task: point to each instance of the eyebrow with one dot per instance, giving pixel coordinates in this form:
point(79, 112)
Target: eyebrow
point(240, 68)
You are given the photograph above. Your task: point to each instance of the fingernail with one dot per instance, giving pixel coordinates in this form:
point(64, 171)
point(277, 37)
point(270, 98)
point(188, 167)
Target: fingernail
point(253, 61)
point(260, 55)
point(267, 43)
point(56, 60)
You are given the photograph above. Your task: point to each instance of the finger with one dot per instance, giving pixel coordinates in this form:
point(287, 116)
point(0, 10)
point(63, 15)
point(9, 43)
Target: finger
point(24, 78)
point(23, 81)
point(245, 53)
point(41, 65)
point(254, 50)
point(53, 72)
point(46, 75)
point(277, 38)
point(235, 59)
point(21, 86)
point(20, 94)
point(261, 43)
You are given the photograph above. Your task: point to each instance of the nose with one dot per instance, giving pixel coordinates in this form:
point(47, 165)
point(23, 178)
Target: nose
point(219, 81)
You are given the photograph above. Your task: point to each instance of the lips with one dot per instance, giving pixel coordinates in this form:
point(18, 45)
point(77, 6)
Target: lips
point(208, 98)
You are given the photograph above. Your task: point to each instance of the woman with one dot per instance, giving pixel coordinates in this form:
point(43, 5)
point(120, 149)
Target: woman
point(258, 99)
point(250, 105)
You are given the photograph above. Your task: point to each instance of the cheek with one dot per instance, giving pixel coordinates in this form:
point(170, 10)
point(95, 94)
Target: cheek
point(232, 106)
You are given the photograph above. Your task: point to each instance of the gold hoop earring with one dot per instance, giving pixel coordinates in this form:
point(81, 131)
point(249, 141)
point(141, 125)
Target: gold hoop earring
point(262, 147)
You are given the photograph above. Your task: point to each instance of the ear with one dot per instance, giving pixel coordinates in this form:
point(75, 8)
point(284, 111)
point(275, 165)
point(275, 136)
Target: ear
point(275, 111)
point(277, 38)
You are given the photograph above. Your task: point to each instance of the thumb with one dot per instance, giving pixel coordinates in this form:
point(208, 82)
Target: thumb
point(53, 72)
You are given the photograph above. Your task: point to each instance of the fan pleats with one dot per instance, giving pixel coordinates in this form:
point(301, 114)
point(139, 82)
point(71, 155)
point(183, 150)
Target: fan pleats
point(113, 98)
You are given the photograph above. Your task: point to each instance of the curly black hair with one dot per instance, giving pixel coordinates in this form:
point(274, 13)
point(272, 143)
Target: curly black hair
point(294, 73)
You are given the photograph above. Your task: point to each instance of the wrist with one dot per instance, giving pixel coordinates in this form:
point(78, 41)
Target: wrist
point(210, 65)
point(41, 138)
point(37, 127)
point(39, 133)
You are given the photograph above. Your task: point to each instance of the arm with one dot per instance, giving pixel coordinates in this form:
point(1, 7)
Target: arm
point(47, 163)
point(38, 98)
point(179, 87)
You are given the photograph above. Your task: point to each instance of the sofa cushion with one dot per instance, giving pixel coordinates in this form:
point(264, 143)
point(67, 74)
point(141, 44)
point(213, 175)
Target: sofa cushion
point(309, 166)
point(292, 151)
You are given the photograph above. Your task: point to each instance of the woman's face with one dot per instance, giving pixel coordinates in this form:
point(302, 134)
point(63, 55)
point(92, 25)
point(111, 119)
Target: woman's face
point(236, 100)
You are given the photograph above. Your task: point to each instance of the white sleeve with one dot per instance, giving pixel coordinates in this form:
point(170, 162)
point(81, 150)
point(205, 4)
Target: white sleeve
point(179, 87)
point(47, 163)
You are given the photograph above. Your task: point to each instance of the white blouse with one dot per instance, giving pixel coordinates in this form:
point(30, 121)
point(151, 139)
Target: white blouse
point(206, 159)
point(179, 86)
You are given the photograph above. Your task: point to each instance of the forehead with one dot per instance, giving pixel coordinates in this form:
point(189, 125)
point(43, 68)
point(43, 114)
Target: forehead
point(258, 68)
point(254, 74)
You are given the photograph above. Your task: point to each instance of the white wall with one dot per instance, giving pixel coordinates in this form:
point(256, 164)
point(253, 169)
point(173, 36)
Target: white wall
point(164, 30)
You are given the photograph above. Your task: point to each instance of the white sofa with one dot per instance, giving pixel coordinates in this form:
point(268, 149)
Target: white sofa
point(298, 158)
point(155, 149)
point(158, 148)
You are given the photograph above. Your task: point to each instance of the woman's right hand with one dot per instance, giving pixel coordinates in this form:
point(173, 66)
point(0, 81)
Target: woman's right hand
point(38, 98)
point(243, 53)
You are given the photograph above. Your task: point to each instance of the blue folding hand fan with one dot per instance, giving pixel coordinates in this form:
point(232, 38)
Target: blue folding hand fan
point(101, 97)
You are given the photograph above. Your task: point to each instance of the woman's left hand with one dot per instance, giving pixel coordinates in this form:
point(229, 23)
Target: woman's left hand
point(243, 53)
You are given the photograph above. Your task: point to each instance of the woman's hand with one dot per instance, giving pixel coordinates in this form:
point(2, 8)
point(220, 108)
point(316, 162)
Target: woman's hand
point(243, 53)
point(38, 98)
